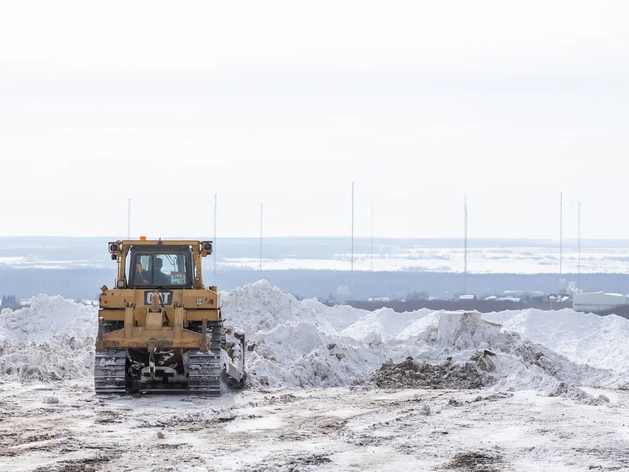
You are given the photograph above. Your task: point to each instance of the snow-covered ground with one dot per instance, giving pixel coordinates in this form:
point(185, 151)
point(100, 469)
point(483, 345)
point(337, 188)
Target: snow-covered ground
point(551, 393)
point(64, 427)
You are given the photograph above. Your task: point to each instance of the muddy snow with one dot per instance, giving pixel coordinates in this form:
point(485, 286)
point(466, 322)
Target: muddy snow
point(309, 430)
point(330, 388)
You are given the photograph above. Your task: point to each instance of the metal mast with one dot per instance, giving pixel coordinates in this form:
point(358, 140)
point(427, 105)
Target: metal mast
point(465, 243)
point(352, 226)
point(371, 238)
point(129, 220)
point(261, 213)
point(560, 234)
point(214, 248)
point(579, 250)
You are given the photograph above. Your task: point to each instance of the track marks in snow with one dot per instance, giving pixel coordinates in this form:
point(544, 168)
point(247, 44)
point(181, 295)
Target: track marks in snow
point(309, 430)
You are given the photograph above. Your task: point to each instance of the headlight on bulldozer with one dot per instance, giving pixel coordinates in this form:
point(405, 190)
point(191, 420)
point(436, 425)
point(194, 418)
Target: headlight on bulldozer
point(113, 247)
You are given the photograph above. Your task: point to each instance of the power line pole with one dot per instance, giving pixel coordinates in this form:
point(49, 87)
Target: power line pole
point(352, 226)
point(371, 238)
point(214, 248)
point(579, 250)
point(129, 220)
point(465, 243)
point(261, 213)
point(560, 234)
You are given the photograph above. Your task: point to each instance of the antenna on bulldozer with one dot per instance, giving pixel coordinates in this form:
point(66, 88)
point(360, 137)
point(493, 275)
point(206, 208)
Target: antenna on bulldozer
point(129, 220)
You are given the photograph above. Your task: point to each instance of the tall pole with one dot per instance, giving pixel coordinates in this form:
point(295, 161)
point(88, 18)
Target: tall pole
point(214, 248)
point(372, 238)
point(579, 251)
point(465, 243)
point(129, 220)
point(352, 226)
point(560, 234)
point(261, 213)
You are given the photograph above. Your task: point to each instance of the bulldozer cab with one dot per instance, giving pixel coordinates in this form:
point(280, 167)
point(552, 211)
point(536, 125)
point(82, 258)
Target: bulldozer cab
point(159, 264)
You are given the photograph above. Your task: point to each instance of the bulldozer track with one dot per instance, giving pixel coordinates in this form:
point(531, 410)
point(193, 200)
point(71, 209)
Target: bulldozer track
point(109, 371)
point(204, 368)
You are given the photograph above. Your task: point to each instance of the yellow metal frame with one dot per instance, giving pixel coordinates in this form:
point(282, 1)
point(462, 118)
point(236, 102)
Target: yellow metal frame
point(153, 334)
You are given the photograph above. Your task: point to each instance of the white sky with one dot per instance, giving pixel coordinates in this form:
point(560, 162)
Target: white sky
point(419, 103)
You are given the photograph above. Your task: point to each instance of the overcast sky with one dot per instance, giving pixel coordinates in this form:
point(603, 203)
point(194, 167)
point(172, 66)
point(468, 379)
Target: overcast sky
point(287, 103)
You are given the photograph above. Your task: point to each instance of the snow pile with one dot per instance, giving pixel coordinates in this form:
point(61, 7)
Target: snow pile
point(292, 343)
point(463, 350)
point(599, 341)
point(52, 339)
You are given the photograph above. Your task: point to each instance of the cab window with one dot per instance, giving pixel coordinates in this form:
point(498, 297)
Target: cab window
point(160, 269)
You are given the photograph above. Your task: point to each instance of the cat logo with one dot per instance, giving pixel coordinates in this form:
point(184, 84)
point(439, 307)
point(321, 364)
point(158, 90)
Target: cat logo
point(166, 297)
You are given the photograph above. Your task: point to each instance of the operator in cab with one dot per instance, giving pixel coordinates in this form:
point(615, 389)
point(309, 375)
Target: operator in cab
point(159, 278)
point(144, 275)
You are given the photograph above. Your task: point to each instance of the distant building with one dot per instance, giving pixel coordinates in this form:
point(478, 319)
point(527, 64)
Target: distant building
point(598, 301)
point(523, 293)
point(509, 299)
point(467, 297)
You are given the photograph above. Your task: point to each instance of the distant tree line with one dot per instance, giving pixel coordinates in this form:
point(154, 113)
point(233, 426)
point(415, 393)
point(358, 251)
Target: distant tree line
point(10, 301)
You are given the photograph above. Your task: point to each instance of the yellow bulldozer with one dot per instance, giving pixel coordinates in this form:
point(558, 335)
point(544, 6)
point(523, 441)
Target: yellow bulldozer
point(160, 328)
